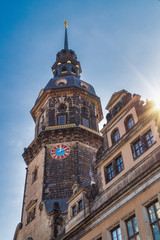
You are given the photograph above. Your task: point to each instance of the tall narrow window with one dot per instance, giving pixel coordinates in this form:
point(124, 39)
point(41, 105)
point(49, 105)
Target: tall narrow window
point(132, 229)
point(73, 70)
point(116, 234)
point(34, 175)
point(61, 120)
point(64, 69)
point(115, 136)
point(137, 148)
point(154, 216)
point(85, 122)
point(109, 173)
point(149, 140)
point(80, 205)
point(129, 122)
point(74, 210)
point(119, 164)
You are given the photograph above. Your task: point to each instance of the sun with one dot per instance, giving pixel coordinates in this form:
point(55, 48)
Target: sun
point(156, 100)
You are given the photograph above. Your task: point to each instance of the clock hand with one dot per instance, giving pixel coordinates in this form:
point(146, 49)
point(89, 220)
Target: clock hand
point(60, 150)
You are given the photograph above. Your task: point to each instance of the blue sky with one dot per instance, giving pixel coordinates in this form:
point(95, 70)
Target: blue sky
point(118, 46)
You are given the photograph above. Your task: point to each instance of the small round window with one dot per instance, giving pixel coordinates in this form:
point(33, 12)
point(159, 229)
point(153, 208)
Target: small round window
point(61, 82)
point(84, 85)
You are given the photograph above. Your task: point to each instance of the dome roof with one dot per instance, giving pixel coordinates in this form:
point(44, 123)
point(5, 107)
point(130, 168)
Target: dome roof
point(69, 81)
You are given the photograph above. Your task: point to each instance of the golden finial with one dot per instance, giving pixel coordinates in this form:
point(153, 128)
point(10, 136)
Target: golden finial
point(65, 24)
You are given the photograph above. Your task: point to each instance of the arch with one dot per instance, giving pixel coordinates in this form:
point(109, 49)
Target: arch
point(84, 110)
point(129, 122)
point(115, 135)
point(62, 107)
point(64, 69)
point(73, 70)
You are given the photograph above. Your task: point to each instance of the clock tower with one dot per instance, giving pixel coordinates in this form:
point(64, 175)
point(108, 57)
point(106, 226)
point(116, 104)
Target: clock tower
point(62, 154)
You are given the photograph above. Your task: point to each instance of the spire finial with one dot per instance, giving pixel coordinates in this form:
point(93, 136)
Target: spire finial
point(66, 37)
point(65, 24)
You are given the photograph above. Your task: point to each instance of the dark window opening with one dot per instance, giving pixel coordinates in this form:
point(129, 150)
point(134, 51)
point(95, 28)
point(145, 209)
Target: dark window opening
point(73, 70)
point(64, 69)
point(62, 107)
point(34, 175)
point(80, 205)
point(31, 215)
point(74, 210)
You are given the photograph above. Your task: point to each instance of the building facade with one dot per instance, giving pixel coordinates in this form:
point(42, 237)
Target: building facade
point(82, 183)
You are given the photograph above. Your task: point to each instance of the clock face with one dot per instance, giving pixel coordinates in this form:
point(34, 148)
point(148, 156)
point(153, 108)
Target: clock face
point(60, 151)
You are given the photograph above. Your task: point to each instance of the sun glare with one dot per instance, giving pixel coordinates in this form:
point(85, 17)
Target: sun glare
point(156, 99)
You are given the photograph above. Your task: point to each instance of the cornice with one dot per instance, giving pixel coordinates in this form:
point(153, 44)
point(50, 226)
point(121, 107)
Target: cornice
point(125, 138)
point(68, 90)
point(76, 133)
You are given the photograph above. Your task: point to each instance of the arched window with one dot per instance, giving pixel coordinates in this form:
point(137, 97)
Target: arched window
point(73, 70)
point(64, 69)
point(115, 136)
point(62, 107)
point(129, 122)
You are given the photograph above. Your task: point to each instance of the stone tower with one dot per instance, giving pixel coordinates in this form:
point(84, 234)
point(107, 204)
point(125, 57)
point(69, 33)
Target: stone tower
point(60, 158)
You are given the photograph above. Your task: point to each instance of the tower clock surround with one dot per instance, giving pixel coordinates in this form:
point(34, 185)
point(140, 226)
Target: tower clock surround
point(60, 151)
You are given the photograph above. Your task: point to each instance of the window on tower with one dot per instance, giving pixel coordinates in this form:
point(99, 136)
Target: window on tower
point(85, 122)
point(73, 70)
point(31, 211)
point(61, 120)
point(34, 175)
point(64, 69)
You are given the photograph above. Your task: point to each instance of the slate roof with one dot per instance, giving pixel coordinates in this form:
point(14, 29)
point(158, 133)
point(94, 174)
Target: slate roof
point(72, 81)
point(49, 204)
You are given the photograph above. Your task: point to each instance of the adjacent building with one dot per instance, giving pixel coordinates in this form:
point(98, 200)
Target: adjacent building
point(82, 183)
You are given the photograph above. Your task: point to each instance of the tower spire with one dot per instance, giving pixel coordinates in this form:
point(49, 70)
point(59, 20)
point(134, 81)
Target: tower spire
point(66, 37)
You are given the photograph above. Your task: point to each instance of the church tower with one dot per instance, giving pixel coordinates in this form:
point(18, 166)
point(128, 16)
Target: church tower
point(61, 157)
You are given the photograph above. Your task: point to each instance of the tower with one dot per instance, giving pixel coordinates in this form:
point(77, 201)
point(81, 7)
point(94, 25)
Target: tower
point(61, 157)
